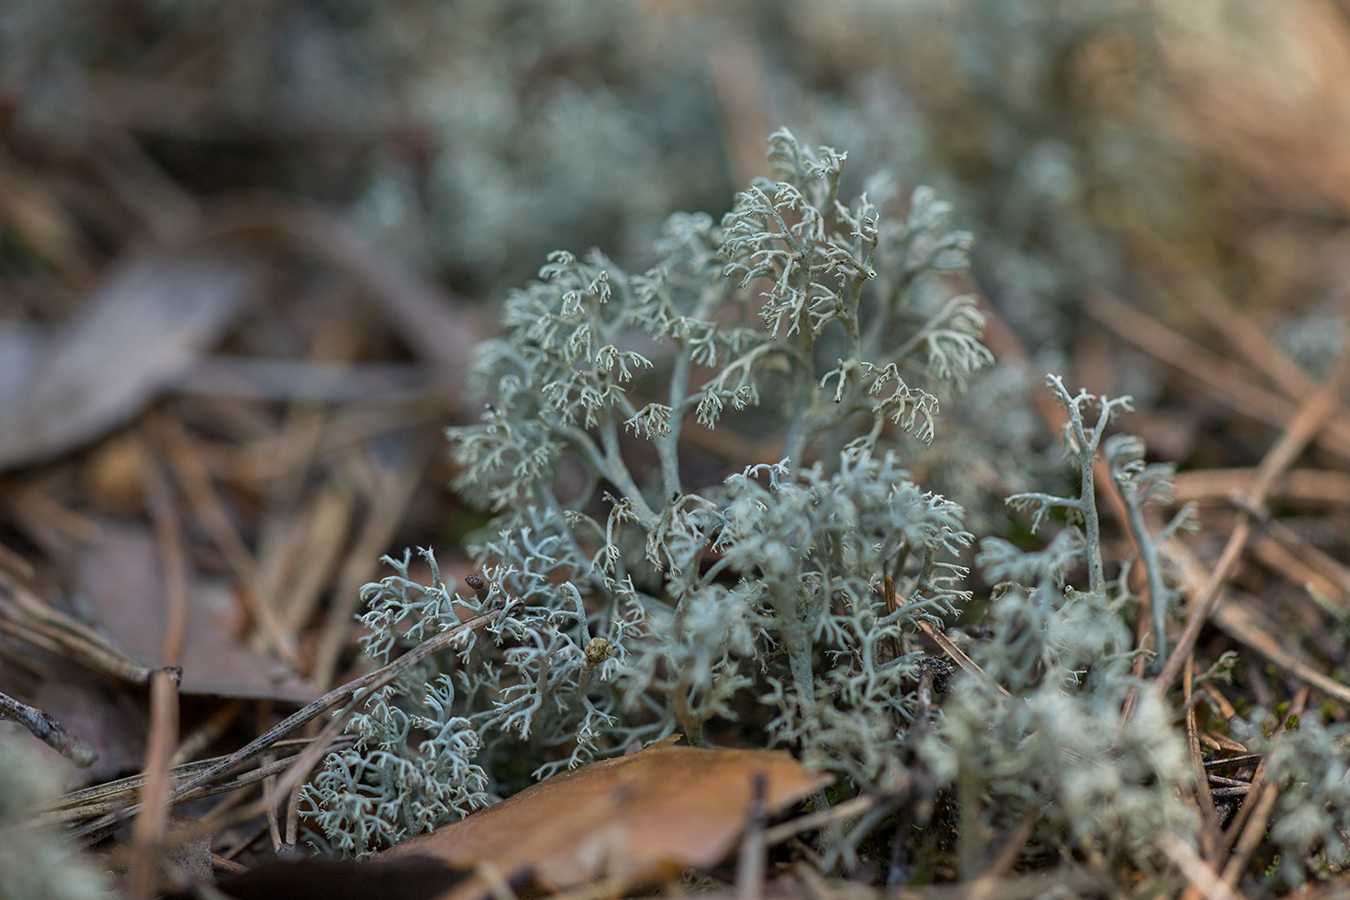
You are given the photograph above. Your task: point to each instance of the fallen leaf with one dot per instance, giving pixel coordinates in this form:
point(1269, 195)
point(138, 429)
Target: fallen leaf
point(631, 820)
point(120, 577)
point(143, 328)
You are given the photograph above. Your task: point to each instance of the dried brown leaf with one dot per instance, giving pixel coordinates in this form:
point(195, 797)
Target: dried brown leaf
point(143, 328)
point(631, 820)
point(120, 578)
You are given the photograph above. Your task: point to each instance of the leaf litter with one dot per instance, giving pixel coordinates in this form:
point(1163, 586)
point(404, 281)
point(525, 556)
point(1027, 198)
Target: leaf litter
point(625, 822)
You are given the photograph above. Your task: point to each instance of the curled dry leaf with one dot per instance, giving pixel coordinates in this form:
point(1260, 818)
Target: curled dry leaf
point(630, 821)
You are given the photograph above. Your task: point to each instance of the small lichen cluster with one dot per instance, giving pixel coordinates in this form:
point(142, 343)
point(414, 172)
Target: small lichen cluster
point(1045, 731)
point(646, 601)
point(652, 589)
point(1309, 766)
point(391, 783)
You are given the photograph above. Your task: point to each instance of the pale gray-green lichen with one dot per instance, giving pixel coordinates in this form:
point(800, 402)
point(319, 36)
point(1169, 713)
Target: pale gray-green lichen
point(827, 327)
point(37, 863)
point(653, 592)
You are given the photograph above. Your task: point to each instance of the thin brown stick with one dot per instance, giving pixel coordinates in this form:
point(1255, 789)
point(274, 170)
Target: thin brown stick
point(298, 559)
point(324, 534)
point(1228, 382)
point(1322, 487)
point(1226, 709)
point(840, 812)
point(434, 326)
point(228, 866)
point(147, 846)
point(205, 734)
point(35, 508)
point(291, 779)
point(26, 617)
point(892, 604)
point(16, 565)
point(1203, 879)
point(1279, 558)
point(1248, 827)
point(46, 729)
point(148, 839)
point(750, 862)
point(364, 686)
point(393, 492)
point(1142, 632)
point(1309, 420)
point(1318, 561)
point(195, 481)
point(273, 825)
point(1240, 621)
point(940, 638)
point(95, 801)
point(169, 534)
point(293, 816)
point(739, 78)
point(1244, 335)
point(357, 690)
point(1209, 816)
point(959, 656)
